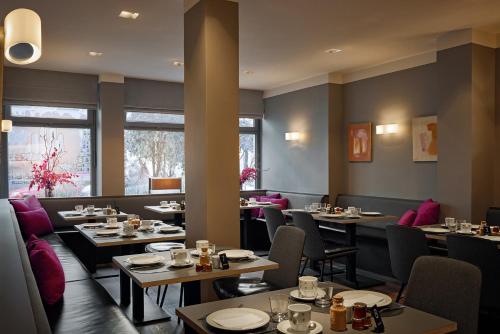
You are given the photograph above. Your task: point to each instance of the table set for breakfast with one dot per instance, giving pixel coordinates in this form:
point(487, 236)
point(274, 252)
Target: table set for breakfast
point(308, 309)
point(169, 208)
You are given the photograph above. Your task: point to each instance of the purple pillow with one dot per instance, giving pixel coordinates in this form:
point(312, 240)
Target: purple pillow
point(35, 222)
point(47, 269)
point(273, 196)
point(408, 218)
point(28, 203)
point(283, 205)
point(427, 213)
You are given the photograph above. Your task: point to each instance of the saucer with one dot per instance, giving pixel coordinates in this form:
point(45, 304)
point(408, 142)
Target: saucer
point(181, 265)
point(296, 295)
point(285, 327)
point(128, 235)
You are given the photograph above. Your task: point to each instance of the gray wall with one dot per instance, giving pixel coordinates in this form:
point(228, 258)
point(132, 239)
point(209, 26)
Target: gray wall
point(296, 166)
point(391, 98)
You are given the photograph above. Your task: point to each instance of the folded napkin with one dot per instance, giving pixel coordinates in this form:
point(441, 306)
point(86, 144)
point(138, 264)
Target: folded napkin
point(241, 321)
point(368, 299)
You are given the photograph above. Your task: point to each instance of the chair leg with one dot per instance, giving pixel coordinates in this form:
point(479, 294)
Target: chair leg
point(164, 294)
point(147, 289)
point(331, 270)
point(400, 292)
point(180, 301)
point(158, 295)
point(304, 267)
point(322, 270)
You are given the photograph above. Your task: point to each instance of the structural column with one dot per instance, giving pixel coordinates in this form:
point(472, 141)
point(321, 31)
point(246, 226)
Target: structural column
point(211, 103)
point(336, 142)
point(110, 136)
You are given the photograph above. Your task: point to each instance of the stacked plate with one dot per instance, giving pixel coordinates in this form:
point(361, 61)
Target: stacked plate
point(107, 232)
point(170, 229)
point(146, 260)
point(237, 254)
point(434, 230)
point(371, 213)
point(238, 319)
point(295, 294)
point(370, 298)
point(92, 225)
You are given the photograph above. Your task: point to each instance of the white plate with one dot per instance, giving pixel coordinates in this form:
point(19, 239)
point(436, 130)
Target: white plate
point(196, 253)
point(371, 213)
point(367, 297)
point(145, 260)
point(92, 225)
point(102, 233)
point(284, 327)
point(434, 230)
point(332, 215)
point(170, 229)
point(296, 295)
point(181, 265)
point(238, 319)
point(165, 246)
point(237, 253)
point(262, 203)
point(112, 226)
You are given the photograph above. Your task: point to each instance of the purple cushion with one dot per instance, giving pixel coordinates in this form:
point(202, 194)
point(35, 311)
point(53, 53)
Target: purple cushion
point(427, 213)
point(283, 205)
point(28, 203)
point(47, 269)
point(273, 196)
point(35, 222)
point(408, 218)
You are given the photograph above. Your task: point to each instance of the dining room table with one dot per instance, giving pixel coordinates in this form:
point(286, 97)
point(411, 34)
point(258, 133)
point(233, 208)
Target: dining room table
point(143, 278)
point(73, 216)
point(397, 320)
point(438, 233)
point(127, 244)
point(349, 225)
point(168, 211)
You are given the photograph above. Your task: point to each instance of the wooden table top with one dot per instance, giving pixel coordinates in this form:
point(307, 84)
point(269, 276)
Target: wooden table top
point(163, 210)
point(166, 275)
point(345, 221)
point(256, 205)
point(141, 238)
point(69, 217)
point(442, 236)
point(408, 321)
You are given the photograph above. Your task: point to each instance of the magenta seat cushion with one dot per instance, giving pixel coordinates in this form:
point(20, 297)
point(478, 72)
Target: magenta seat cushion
point(408, 218)
point(47, 269)
point(28, 203)
point(273, 196)
point(427, 213)
point(35, 222)
point(283, 205)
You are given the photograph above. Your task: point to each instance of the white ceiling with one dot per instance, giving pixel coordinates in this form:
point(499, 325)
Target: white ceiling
point(281, 41)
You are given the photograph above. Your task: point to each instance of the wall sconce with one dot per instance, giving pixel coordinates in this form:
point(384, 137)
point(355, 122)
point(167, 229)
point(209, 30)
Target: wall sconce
point(6, 125)
point(292, 136)
point(386, 129)
point(23, 36)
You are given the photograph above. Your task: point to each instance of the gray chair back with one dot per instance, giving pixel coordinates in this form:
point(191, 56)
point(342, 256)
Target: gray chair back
point(483, 254)
point(274, 219)
point(447, 288)
point(286, 250)
point(314, 247)
point(406, 244)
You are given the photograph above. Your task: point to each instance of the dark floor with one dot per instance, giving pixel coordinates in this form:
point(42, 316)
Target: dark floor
point(107, 277)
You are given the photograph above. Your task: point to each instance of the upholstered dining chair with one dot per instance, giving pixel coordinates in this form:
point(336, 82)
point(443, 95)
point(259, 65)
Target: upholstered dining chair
point(286, 249)
point(406, 244)
point(274, 219)
point(447, 288)
point(483, 254)
point(315, 248)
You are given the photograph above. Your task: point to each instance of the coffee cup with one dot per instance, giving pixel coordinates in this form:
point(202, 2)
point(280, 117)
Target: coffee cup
point(180, 256)
point(177, 206)
point(252, 200)
point(112, 222)
point(128, 228)
point(164, 204)
point(90, 209)
point(173, 202)
point(147, 224)
point(299, 316)
point(308, 286)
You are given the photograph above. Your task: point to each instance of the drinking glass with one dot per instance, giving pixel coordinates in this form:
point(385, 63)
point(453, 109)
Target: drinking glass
point(307, 208)
point(315, 206)
point(465, 227)
point(90, 209)
point(79, 208)
point(451, 223)
point(279, 307)
point(211, 249)
point(201, 244)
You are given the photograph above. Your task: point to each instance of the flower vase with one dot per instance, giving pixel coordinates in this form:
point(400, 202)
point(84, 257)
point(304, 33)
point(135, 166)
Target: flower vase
point(49, 192)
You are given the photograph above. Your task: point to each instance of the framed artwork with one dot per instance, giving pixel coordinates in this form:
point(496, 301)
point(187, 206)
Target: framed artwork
point(360, 142)
point(425, 136)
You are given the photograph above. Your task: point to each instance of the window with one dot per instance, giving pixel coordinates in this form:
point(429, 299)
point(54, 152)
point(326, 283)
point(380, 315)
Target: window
point(40, 131)
point(154, 147)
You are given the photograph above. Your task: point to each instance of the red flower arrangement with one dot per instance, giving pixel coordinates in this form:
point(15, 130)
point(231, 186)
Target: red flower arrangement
point(44, 174)
point(247, 174)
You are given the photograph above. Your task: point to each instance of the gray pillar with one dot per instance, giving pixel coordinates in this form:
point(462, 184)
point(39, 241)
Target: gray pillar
point(110, 139)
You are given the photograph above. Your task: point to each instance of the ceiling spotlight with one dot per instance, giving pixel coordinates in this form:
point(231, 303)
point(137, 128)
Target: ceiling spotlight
point(332, 51)
point(128, 15)
point(178, 63)
point(95, 54)
point(247, 72)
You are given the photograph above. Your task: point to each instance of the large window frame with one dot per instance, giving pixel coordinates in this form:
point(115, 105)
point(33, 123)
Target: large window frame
point(89, 123)
point(173, 127)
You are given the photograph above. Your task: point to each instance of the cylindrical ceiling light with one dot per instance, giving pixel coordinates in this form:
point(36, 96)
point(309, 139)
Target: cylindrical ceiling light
point(23, 36)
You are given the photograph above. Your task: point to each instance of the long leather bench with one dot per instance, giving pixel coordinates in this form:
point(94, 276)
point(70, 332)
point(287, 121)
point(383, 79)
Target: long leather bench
point(85, 308)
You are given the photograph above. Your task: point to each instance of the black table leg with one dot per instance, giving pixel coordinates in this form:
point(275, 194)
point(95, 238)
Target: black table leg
point(124, 288)
point(178, 219)
point(350, 230)
point(137, 302)
point(192, 293)
point(247, 219)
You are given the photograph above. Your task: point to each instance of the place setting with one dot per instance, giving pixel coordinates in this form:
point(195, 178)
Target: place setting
point(238, 255)
point(146, 263)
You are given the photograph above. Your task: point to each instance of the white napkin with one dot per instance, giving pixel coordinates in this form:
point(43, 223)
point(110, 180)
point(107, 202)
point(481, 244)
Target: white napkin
point(368, 299)
point(242, 320)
